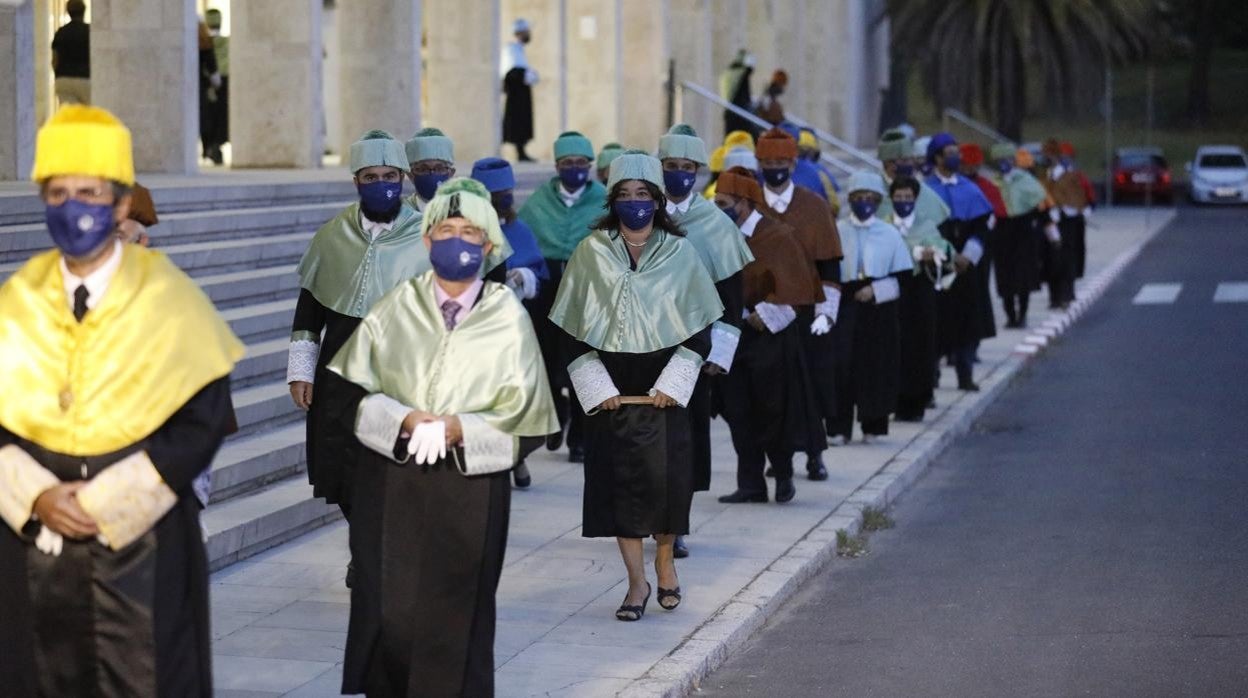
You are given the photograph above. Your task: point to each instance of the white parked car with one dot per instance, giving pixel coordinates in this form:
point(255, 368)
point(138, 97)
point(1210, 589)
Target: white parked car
point(1219, 174)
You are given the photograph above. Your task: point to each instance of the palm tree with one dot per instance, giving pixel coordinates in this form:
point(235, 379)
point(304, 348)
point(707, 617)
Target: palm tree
point(985, 53)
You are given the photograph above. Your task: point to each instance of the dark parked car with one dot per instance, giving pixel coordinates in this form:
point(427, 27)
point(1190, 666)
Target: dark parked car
point(1136, 171)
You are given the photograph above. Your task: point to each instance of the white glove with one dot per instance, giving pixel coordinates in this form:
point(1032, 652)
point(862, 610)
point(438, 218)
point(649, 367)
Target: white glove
point(523, 281)
point(1087, 212)
point(215, 80)
point(821, 326)
point(49, 542)
point(428, 442)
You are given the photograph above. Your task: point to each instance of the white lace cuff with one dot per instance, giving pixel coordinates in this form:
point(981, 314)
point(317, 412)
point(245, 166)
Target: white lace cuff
point(831, 303)
point(775, 317)
point(724, 341)
point(679, 376)
point(301, 362)
point(126, 500)
point(1055, 214)
point(886, 289)
point(590, 380)
point(973, 251)
point(486, 449)
point(22, 480)
point(378, 422)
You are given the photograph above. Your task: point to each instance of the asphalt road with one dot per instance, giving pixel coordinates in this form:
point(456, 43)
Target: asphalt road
point(1088, 537)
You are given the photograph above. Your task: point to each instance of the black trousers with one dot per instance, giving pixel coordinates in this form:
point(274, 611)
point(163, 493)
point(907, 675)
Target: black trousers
point(754, 405)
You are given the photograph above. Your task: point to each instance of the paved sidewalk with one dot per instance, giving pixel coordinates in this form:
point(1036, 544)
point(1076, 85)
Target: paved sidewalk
point(279, 619)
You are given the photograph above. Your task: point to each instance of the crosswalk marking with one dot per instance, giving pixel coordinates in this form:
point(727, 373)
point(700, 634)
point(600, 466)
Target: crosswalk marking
point(1231, 292)
point(1157, 294)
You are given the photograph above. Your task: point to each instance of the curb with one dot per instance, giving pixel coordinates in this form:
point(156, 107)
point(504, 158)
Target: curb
point(680, 672)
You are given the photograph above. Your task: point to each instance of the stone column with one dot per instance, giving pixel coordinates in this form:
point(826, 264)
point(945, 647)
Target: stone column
point(380, 72)
point(17, 91)
point(43, 60)
point(276, 110)
point(144, 69)
point(643, 73)
point(692, 40)
point(729, 21)
point(823, 64)
point(547, 55)
point(594, 48)
point(791, 36)
point(463, 83)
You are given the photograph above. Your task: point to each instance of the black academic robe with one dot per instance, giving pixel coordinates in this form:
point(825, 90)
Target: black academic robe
point(332, 451)
point(1016, 252)
point(917, 311)
point(132, 622)
point(869, 367)
point(557, 349)
point(638, 474)
point(960, 321)
point(701, 404)
point(518, 110)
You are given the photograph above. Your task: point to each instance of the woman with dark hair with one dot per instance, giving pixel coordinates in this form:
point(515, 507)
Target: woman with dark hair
point(638, 304)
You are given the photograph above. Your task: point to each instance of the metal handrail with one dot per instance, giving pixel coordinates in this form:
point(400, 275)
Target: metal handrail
point(977, 126)
point(754, 119)
point(822, 135)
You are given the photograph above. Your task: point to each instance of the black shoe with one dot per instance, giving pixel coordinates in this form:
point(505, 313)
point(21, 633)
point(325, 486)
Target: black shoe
point(814, 471)
point(970, 387)
point(633, 613)
point(576, 454)
point(741, 496)
point(350, 574)
point(908, 417)
point(680, 551)
point(673, 594)
point(785, 490)
point(521, 475)
point(554, 441)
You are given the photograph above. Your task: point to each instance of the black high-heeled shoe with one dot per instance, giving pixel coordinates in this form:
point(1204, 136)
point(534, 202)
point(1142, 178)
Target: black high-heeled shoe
point(633, 613)
point(665, 594)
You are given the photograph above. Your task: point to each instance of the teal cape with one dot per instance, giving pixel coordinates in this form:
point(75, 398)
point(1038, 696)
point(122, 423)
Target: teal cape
point(1022, 192)
point(666, 300)
point(716, 238)
point(559, 228)
point(928, 207)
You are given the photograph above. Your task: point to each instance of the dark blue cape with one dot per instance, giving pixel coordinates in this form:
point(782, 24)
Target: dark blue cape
point(524, 250)
point(965, 199)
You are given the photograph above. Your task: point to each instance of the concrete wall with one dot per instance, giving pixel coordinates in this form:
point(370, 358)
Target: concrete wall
point(17, 91)
point(379, 67)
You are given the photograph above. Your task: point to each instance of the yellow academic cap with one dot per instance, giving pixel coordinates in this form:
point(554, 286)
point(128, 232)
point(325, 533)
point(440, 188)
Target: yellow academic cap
point(83, 140)
point(807, 140)
point(717, 159)
point(739, 138)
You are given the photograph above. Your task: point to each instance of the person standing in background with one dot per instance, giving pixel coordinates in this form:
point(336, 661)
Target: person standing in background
point(219, 132)
point(71, 56)
point(734, 87)
point(209, 83)
point(518, 82)
point(769, 107)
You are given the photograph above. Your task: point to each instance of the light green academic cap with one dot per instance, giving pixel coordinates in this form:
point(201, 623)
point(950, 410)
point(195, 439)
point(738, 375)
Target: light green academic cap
point(377, 149)
point(894, 145)
point(1002, 151)
point(866, 180)
point(608, 154)
point(573, 143)
point(430, 144)
point(636, 164)
point(681, 141)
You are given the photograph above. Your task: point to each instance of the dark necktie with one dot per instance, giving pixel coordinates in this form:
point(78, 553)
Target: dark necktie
point(80, 302)
point(449, 310)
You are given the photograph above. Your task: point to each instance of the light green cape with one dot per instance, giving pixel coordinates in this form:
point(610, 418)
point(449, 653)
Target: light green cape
point(666, 300)
point(347, 271)
point(489, 365)
point(929, 206)
point(558, 228)
point(1021, 191)
point(716, 238)
point(925, 233)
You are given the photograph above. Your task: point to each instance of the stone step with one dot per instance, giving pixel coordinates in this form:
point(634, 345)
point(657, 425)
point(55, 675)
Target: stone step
point(247, 463)
point(236, 288)
point(261, 321)
point(264, 406)
point(223, 256)
point(265, 362)
point(19, 242)
point(251, 523)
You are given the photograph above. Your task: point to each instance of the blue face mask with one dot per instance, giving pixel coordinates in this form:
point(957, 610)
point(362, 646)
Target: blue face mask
point(455, 259)
point(573, 178)
point(504, 202)
point(634, 215)
point(427, 184)
point(79, 228)
point(776, 176)
point(903, 208)
point(380, 196)
point(730, 211)
point(1004, 166)
point(953, 162)
point(678, 183)
point(906, 170)
point(863, 208)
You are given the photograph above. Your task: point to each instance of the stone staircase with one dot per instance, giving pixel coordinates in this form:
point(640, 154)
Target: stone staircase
point(240, 239)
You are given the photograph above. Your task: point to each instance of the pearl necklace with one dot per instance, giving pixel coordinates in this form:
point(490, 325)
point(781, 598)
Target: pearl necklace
point(630, 243)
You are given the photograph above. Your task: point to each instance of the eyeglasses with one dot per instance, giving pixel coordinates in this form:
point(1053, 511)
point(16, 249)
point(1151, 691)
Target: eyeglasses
point(438, 169)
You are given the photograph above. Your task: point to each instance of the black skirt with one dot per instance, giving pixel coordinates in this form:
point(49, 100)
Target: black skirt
point(869, 347)
point(1016, 252)
point(917, 310)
